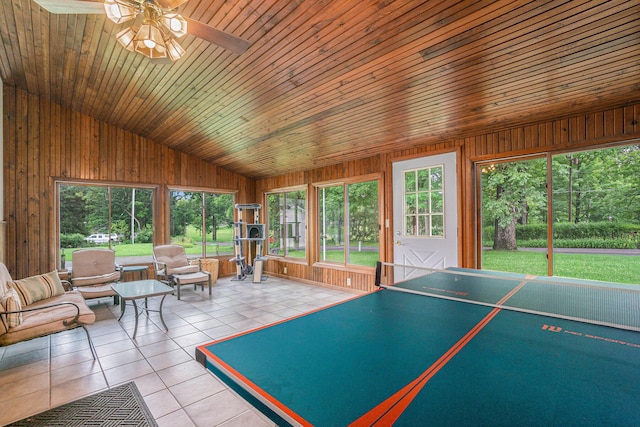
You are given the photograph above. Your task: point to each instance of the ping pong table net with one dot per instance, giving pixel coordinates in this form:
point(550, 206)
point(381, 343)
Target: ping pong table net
point(607, 304)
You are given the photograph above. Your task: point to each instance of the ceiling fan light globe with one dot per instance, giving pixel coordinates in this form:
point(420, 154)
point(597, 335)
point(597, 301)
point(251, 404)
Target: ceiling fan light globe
point(126, 36)
point(150, 34)
point(174, 50)
point(149, 40)
point(118, 12)
point(159, 51)
point(175, 23)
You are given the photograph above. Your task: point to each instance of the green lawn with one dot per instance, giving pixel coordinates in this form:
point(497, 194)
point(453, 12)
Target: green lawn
point(367, 259)
point(225, 247)
point(606, 268)
point(364, 258)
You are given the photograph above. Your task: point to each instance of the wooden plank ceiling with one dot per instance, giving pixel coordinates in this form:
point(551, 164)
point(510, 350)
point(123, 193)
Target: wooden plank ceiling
point(327, 81)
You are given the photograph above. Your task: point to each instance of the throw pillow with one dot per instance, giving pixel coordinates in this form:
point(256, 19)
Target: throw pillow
point(11, 302)
point(36, 288)
point(3, 318)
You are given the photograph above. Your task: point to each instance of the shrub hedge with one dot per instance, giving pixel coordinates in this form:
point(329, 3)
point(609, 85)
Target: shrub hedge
point(582, 243)
point(75, 240)
point(612, 235)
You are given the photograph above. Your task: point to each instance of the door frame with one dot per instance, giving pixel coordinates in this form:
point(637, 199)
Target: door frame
point(461, 178)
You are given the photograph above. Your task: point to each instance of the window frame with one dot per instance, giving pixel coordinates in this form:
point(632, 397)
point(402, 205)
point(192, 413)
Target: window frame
point(550, 250)
point(202, 190)
point(58, 182)
point(317, 186)
point(266, 219)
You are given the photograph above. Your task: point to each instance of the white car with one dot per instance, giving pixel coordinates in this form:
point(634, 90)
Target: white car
point(101, 238)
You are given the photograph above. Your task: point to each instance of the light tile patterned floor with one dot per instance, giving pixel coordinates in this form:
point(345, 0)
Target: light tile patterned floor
point(50, 371)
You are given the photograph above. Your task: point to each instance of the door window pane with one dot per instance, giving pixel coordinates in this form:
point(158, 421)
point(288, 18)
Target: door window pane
point(437, 202)
point(423, 180)
point(411, 223)
point(410, 182)
point(437, 225)
point(410, 203)
point(424, 225)
point(423, 203)
point(436, 177)
point(426, 200)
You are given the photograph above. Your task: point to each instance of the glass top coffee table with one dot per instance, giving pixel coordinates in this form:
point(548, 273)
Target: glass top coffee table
point(138, 289)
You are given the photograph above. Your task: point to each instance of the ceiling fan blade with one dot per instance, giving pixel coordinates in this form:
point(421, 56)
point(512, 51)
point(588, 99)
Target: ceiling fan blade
point(225, 40)
point(71, 6)
point(170, 4)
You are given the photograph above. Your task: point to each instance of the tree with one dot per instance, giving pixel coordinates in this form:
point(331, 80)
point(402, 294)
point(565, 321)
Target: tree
point(630, 194)
point(219, 210)
point(182, 213)
point(333, 213)
point(97, 204)
point(126, 211)
point(609, 184)
point(363, 211)
point(509, 192)
point(72, 210)
point(597, 185)
point(275, 204)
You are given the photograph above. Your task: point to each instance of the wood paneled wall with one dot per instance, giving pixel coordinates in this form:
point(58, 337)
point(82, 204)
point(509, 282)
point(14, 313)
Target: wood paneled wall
point(44, 141)
point(571, 133)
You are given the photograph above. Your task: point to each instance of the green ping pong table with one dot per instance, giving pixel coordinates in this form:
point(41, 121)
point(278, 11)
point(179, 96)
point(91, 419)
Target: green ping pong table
point(455, 347)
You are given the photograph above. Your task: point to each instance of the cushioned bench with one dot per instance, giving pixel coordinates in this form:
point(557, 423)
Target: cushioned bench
point(38, 306)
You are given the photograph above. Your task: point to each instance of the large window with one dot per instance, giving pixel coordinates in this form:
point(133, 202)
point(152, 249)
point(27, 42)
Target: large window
point(117, 217)
point(514, 201)
point(202, 222)
point(287, 223)
point(348, 223)
point(596, 214)
point(589, 204)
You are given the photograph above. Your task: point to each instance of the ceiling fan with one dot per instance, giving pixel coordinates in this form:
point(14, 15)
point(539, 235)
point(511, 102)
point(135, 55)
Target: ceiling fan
point(154, 25)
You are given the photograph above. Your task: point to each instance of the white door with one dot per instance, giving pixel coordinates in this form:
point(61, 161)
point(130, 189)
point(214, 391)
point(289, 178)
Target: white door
point(425, 212)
